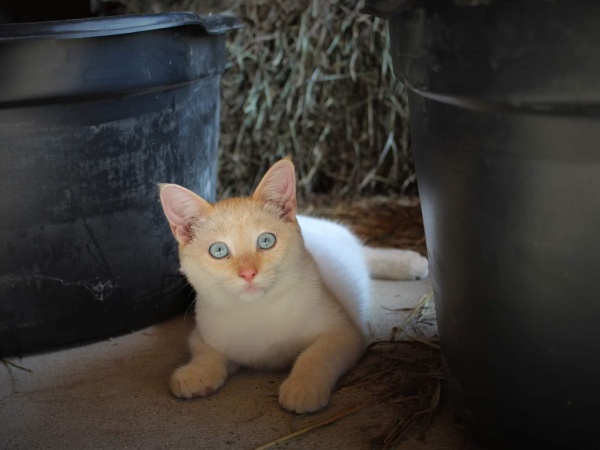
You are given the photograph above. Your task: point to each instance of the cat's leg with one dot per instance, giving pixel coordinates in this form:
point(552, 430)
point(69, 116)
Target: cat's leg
point(317, 369)
point(204, 374)
point(395, 264)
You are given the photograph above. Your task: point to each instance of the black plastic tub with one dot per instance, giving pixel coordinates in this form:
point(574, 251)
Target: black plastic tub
point(94, 113)
point(505, 123)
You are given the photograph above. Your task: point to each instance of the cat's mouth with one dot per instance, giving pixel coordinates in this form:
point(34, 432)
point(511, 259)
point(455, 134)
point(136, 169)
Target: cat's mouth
point(251, 292)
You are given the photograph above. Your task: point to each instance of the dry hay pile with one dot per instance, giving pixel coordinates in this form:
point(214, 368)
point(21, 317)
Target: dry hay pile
point(408, 375)
point(312, 79)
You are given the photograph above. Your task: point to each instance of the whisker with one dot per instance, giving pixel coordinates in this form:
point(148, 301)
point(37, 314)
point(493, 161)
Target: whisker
point(188, 308)
point(301, 282)
point(185, 285)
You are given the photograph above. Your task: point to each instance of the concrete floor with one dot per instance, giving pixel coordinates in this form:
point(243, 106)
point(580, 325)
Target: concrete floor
point(114, 394)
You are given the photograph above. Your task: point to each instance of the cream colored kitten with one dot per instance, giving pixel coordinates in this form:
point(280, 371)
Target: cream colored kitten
point(274, 289)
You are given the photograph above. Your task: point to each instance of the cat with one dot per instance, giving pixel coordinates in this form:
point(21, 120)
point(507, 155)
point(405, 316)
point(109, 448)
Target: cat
point(274, 289)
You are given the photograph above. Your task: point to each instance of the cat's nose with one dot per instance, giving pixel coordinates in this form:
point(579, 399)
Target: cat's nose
point(248, 274)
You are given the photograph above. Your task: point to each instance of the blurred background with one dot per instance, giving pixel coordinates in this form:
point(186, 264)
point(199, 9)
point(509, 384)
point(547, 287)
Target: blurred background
point(308, 78)
point(312, 79)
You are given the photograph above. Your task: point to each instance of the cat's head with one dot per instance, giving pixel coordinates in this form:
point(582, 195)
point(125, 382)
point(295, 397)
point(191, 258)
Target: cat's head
point(241, 247)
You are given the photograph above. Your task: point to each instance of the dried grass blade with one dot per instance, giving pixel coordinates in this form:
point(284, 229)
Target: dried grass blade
point(329, 421)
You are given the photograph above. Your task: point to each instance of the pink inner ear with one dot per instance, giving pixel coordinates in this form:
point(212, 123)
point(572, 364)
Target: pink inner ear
point(182, 233)
point(181, 207)
point(289, 196)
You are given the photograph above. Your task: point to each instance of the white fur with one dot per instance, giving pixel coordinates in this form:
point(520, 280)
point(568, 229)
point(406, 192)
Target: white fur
point(343, 268)
point(304, 304)
point(271, 329)
point(395, 264)
point(313, 315)
point(269, 332)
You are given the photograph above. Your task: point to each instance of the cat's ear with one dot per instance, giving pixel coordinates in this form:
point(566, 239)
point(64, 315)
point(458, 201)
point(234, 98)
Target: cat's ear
point(278, 186)
point(182, 207)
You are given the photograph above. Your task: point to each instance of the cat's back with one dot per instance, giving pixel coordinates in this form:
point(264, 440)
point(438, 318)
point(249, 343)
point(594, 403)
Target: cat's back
point(339, 257)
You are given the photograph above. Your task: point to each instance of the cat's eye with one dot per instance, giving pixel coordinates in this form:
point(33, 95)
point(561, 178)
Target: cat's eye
point(218, 250)
point(266, 241)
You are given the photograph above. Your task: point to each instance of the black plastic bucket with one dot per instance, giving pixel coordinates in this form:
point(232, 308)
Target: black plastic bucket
point(94, 113)
point(505, 123)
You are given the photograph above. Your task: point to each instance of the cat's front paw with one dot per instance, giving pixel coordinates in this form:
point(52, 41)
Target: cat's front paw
point(192, 381)
point(303, 396)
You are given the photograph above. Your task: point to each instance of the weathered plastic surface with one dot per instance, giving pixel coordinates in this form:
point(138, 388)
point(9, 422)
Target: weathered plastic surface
point(505, 128)
point(88, 127)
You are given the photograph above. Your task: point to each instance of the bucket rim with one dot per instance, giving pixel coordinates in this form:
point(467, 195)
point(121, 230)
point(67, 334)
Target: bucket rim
point(211, 24)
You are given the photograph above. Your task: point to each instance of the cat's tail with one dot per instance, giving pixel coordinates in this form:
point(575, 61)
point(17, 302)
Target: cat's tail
point(395, 264)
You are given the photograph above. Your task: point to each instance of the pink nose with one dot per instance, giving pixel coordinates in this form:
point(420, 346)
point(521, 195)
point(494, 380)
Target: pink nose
point(248, 274)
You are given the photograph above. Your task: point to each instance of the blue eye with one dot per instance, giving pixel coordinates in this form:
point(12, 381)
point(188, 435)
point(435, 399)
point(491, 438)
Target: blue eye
point(266, 241)
point(218, 250)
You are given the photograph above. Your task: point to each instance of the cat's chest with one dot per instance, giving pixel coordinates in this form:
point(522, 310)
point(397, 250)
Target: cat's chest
point(257, 334)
